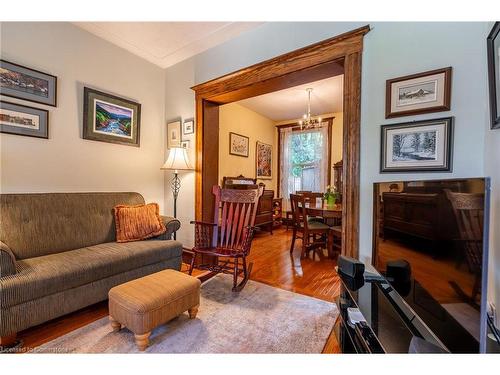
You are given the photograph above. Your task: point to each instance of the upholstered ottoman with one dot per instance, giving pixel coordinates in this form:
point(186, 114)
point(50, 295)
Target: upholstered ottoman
point(145, 303)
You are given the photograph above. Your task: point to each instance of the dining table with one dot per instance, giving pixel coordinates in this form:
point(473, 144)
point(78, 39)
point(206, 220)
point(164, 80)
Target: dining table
point(332, 215)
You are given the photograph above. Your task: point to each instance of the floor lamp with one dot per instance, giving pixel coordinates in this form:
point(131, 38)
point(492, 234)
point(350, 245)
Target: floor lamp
point(177, 161)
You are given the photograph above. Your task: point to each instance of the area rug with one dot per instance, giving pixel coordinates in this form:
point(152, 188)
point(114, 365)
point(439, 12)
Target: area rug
point(260, 319)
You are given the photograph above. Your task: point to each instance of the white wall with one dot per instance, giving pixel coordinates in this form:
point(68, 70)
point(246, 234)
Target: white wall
point(390, 50)
point(180, 104)
point(66, 162)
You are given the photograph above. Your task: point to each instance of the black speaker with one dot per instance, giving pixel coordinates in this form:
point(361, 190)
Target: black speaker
point(398, 271)
point(350, 267)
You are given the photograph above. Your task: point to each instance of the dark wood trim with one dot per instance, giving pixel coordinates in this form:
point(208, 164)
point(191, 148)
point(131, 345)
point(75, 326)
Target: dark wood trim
point(446, 99)
point(296, 125)
point(331, 57)
point(495, 116)
point(8, 341)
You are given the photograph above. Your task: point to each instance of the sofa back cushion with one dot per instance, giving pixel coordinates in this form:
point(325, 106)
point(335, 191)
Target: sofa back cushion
point(33, 225)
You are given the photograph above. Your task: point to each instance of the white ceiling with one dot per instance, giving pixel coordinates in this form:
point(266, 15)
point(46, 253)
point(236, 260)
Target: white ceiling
point(291, 103)
point(166, 43)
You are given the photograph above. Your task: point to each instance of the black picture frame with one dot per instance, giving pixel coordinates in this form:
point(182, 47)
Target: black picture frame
point(16, 91)
point(90, 97)
point(494, 80)
point(43, 124)
point(186, 128)
point(414, 158)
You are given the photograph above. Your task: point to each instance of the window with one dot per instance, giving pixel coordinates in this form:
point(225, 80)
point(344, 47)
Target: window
point(304, 160)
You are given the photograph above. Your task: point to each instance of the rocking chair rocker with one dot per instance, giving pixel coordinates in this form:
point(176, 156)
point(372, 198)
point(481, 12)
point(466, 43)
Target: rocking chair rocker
point(228, 239)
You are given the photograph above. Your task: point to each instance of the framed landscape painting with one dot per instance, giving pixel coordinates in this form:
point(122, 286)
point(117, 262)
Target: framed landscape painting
point(493, 43)
point(418, 93)
point(20, 82)
point(417, 146)
point(264, 161)
point(110, 118)
point(23, 120)
point(238, 144)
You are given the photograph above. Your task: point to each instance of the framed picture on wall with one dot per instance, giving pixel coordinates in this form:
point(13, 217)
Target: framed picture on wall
point(238, 144)
point(21, 82)
point(23, 120)
point(174, 134)
point(263, 161)
point(185, 144)
point(493, 42)
point(419, 146)
point(110, 118)
point(418, 93)
point(188, 127)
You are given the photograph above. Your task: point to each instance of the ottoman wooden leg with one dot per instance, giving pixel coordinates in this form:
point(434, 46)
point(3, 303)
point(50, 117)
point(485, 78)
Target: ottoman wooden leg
point(193, 311)
point(142, 341)
point(114, 324)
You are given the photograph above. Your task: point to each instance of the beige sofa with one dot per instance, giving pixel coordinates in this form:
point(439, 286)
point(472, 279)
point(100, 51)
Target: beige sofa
point(58, 254)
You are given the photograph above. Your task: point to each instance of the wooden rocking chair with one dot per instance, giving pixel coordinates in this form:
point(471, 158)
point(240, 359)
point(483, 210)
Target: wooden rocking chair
point(229, 238)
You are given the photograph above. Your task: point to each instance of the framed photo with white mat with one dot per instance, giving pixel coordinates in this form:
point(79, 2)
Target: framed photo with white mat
point(419, 146)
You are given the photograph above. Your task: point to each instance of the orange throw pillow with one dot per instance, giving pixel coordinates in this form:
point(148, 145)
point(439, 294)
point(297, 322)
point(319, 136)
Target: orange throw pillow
point(135, 223)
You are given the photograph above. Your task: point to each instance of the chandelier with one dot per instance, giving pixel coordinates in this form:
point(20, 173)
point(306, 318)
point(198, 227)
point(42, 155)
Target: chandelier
point(308, 121)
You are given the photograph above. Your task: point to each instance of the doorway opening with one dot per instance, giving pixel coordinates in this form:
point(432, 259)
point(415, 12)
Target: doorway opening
point(326, 59)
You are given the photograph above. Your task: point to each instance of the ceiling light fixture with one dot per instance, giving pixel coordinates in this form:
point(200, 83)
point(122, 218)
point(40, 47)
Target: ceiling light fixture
point(308, 121)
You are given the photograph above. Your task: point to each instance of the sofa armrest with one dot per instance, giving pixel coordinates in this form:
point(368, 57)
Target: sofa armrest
point(172, 225)
point(7, 261)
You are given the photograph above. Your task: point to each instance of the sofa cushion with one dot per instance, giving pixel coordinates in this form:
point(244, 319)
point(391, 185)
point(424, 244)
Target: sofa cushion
point(138, 222)
point(42, 276)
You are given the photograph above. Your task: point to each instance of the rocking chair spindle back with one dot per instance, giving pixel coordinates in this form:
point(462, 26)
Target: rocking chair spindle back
point(230, 235)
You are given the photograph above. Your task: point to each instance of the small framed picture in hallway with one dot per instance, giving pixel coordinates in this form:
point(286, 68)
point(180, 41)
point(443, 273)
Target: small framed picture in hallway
point(417, 146)
point(109, 118)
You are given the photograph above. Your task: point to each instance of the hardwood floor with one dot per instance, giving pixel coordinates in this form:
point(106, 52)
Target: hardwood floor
point(429, 270)
point(273, 265)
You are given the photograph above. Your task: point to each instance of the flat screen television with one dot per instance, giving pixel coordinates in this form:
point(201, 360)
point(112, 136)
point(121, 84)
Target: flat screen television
point(439, 228)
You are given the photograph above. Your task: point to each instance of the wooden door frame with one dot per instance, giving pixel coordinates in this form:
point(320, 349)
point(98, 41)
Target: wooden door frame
point(331, 57)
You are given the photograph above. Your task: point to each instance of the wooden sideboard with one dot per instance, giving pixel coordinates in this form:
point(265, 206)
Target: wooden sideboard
point(423, 215)
point(265, 210)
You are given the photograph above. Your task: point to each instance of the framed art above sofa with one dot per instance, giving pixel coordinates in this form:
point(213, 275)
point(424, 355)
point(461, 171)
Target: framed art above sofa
point(24, 83)
point(110, 118)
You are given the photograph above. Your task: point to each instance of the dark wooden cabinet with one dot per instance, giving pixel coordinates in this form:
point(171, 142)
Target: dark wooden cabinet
point(426, 216)
point(265, 210)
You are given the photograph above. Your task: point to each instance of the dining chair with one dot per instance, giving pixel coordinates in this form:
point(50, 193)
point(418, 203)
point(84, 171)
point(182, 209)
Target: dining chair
point(305, 230)
point(469, 212)
point(229, 238)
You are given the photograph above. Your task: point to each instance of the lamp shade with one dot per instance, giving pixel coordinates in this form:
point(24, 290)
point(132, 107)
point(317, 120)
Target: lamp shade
point(177, 160)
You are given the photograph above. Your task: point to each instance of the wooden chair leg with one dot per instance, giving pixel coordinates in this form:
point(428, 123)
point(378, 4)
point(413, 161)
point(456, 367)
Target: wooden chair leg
point(294, 235)
point(235, 276)
point(191, 266)
point(142, 341)
point(193, 311)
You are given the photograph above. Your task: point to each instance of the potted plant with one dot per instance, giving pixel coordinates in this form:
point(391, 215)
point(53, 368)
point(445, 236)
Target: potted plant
point(331, 195)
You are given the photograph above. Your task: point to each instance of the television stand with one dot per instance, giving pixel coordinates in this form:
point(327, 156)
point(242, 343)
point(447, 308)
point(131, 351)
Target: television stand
point(392, 321)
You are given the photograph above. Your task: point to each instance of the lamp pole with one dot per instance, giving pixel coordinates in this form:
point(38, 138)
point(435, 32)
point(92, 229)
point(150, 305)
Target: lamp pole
point(176, 186)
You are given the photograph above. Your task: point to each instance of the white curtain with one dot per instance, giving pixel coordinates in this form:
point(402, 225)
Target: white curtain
point(314, 175)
